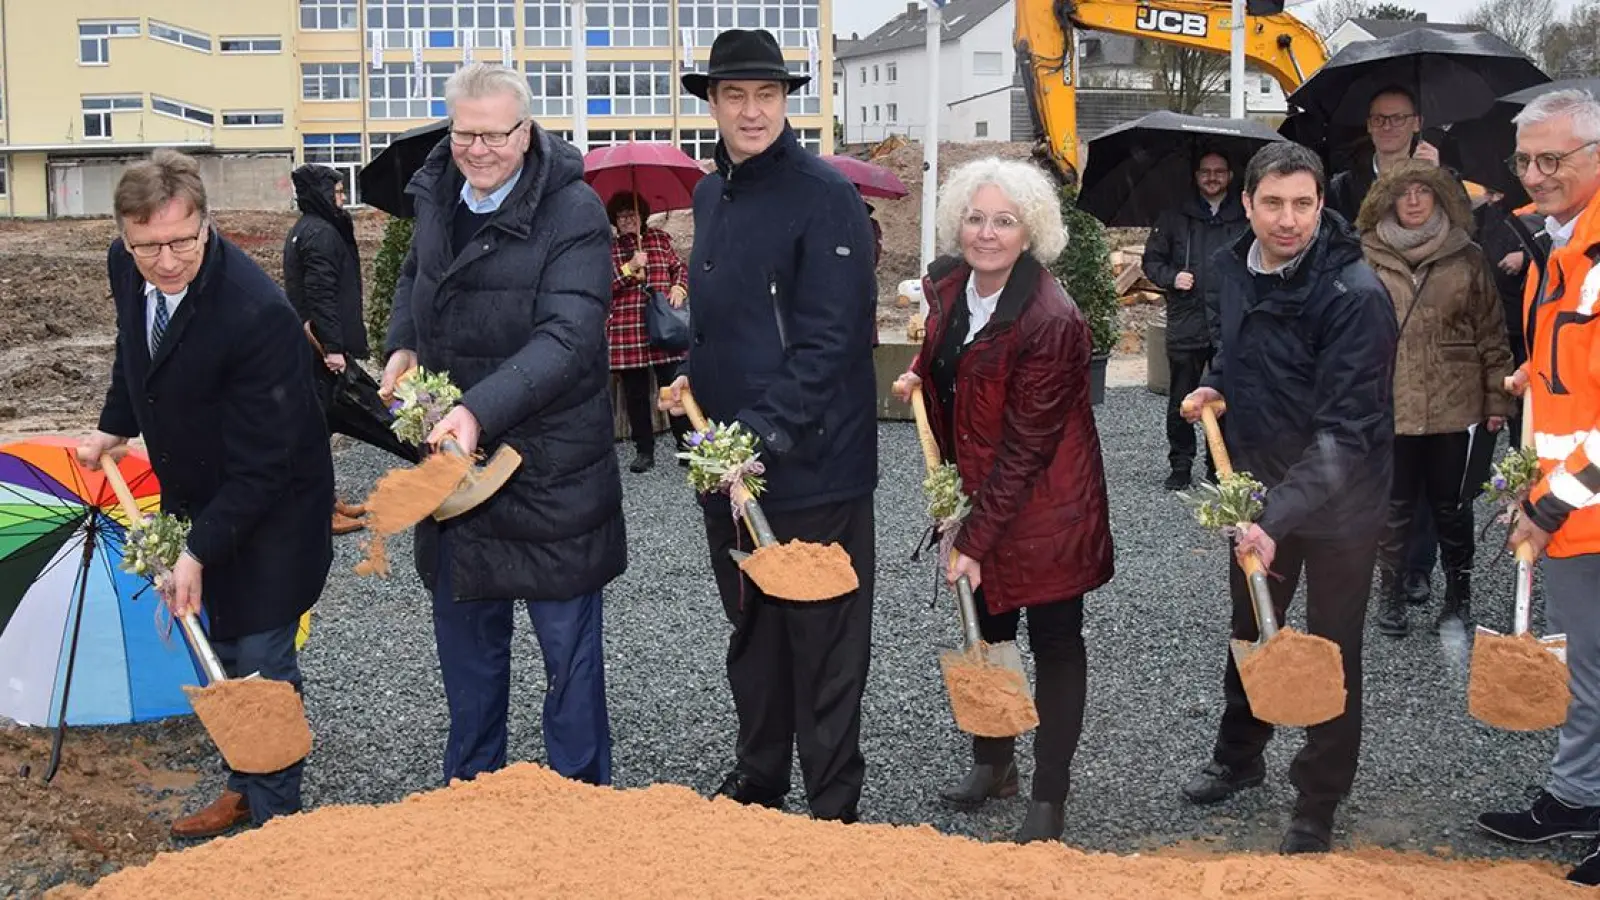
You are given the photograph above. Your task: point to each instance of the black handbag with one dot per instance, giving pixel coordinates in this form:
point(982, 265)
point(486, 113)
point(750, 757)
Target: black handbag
point(668, 328)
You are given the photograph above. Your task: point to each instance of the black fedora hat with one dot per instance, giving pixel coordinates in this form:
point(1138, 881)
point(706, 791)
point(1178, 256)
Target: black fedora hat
point(738, 55)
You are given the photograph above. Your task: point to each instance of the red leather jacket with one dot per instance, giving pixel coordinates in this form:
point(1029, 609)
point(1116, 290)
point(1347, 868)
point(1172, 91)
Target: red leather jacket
point(1026, 444)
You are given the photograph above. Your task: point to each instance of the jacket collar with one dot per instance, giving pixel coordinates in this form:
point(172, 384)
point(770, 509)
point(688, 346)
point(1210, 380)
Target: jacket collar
point(1380, 253)
point(760, 165)
point(950, 274)
point(1334, 247)
point(1230, 210)
point(440, 181)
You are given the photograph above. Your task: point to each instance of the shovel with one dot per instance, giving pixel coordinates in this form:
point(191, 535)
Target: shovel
point(988, 688)
point(258, 724)
point(798, 571)
point(477, 484)
point(1291, 678)
point(1519, 682)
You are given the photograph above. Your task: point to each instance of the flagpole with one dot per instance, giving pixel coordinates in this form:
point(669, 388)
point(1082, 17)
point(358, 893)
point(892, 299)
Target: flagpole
point(930, 140)
point(1236, 63)
point(580, 79)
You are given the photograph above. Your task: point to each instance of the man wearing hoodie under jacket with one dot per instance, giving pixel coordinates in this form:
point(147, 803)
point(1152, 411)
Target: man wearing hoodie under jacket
point(784, 293)
point(1177, 259)
point(1306, 365)
point(507, 286)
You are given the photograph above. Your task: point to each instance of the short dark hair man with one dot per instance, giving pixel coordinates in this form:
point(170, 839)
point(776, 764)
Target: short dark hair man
point(1306, 362)
point(784, 296)
point(1177, 258)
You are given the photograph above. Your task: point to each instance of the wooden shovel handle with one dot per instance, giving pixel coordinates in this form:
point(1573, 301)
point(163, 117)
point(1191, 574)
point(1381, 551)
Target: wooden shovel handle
point(1219, 450)
point(691, 409)
point(930, 447)
point(755, 521)
point(130, 506)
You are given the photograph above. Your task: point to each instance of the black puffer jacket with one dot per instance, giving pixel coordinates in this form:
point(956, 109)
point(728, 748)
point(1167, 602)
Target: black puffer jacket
point(519, 322)
point(1184, 240)
point(322, 266)
point(1306, 364)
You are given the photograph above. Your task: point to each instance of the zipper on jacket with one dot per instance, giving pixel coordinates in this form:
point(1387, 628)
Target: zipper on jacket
point(777, 312)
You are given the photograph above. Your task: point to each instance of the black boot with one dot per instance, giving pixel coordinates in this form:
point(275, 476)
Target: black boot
point(1391, 607)
point(1045, 821)
point(1217, 782)
point(1457, 600)
point(1178, 480)
point(643, 461)
point(993, 775)
point(740, 788)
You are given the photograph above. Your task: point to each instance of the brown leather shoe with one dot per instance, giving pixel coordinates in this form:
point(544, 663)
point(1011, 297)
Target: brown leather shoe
point(226, 813)
point(353, 510)
point(345, 524)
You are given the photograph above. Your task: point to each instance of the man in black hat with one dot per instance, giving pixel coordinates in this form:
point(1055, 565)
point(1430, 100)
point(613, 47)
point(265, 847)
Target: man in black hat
point(784, 296)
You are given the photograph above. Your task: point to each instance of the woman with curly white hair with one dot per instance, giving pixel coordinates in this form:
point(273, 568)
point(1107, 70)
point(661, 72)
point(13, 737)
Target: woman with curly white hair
point(1004, 371)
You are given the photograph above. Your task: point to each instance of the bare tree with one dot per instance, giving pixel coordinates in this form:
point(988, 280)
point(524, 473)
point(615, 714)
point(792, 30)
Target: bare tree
point(1330, 14)
point(1186, 77)
point(1571, 49)
point(1521, 23)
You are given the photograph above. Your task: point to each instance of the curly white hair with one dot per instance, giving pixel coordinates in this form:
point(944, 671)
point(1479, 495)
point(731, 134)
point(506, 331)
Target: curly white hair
point(1030, 189)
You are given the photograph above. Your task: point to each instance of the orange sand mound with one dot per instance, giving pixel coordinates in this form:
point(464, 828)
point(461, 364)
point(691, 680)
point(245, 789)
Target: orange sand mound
point(402, 498)
point(802, 571)
point(1297, 679)
point(258, 724)
point(526, 832)
point(1517, 684)
point(987, 700)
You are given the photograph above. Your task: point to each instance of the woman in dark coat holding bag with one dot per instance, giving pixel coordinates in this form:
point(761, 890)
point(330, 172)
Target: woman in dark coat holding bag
point(1004, 368)
point(645, 264)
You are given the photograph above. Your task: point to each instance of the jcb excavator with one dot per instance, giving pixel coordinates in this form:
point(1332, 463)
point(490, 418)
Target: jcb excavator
point(1046, 45)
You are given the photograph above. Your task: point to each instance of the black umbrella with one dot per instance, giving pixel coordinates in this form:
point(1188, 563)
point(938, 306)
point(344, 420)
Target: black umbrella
point(383, 181)
point(1484, 143)
point(1453, 76)
point(1143, 168)
point(354, 408)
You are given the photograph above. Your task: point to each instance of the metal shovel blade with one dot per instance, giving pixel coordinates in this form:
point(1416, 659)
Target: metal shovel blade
point(480, 483)
point(988, 688)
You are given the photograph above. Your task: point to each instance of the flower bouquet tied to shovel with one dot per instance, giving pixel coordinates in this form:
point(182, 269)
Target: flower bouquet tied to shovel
point(1510, 481)
point(721, 456)
point(421, 400)
point(1235, 501)
point(153, 546)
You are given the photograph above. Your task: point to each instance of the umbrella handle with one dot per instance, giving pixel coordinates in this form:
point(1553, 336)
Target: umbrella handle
point(190, 623)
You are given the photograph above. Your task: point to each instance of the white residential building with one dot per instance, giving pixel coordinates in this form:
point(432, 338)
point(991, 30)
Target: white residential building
point(884, 86)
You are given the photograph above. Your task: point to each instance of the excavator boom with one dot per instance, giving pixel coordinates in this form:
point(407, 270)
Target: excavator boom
point(1046, 45)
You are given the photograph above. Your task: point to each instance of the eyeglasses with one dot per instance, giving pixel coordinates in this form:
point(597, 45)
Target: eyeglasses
point(1548, 163)
point(490, 138)
point(1417, 192)
point(1394, 121)
point(1001, 222)
point(1214, 173)
point(180, 247)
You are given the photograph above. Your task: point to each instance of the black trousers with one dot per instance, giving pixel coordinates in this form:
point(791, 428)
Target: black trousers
point(798, 670)
point(1184, 370)
point(1338, 583)
point(1430, 465)
point(1055, 635)
point(639, 400)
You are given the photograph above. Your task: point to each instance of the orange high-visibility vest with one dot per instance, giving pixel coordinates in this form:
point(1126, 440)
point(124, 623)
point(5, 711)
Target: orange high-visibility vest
point(1564, 375)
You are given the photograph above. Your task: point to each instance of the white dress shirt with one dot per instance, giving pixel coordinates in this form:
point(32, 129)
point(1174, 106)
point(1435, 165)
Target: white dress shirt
point(979, 309)
point(151, 293)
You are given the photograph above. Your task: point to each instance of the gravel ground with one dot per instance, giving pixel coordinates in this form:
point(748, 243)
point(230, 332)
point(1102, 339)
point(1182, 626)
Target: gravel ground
point(1156, 636)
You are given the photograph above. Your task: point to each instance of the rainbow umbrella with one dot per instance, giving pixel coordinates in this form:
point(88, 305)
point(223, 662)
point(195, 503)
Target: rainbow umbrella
point(80, 642)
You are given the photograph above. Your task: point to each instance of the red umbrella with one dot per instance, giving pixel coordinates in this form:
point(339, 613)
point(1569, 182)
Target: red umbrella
point(659, 174)
point(871, 180)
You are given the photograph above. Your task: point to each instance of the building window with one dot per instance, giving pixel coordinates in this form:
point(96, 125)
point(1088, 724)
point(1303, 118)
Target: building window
point(330, 81)
point(444, 23)
point(980, 129)
point(341, 152)
point(252, 118)
point(630, 89)
point(183, 37)
point(788, 20)
point(894, 113)
point(811, 139)
point(94, 44)
point(177, 109)
point(891, 72)
point(5, 176)
point(863, 115)
point(1266, 84)
point(551, 83)
point(328, 15)
point(251, 44)
point(863, 74)
point(643, 135)
point(626, 23)
point(97, 113)
point(379, 141)
point(806, 101)
point(877, 114)
point(698, 143)
point(547, 23)
point(985, 62)
point(874, 74)
point(392, 94)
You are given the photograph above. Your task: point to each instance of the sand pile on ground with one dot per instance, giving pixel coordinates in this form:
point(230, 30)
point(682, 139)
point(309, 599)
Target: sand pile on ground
point(1517, 684)
point(527, 832)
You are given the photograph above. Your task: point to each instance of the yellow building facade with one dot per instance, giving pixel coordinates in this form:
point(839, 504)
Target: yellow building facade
point(255, 87)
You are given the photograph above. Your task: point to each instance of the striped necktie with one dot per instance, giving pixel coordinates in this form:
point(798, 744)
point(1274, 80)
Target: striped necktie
point(158, 329)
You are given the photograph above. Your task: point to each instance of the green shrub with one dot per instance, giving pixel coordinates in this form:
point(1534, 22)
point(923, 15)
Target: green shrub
point(385, 272)
point(1085, 268)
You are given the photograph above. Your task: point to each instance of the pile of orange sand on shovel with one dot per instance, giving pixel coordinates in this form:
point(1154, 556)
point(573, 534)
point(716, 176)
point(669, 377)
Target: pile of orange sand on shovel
point(526, 832)
point(1517, 684)
point(986, 699)
point(258, 724)
point(404, 497)
point(1285, 680)
point(801, 571)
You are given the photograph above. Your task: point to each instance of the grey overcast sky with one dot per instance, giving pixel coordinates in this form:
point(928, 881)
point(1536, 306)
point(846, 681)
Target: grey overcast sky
point(865, 16)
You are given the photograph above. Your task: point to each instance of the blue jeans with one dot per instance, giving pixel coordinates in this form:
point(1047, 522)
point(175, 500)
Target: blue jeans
point(272, 654)
point(474, 642)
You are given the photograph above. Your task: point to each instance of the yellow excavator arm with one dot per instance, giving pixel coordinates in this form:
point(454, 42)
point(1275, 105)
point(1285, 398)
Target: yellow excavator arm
point(1279, 44)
